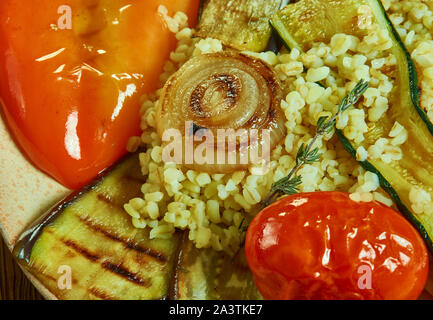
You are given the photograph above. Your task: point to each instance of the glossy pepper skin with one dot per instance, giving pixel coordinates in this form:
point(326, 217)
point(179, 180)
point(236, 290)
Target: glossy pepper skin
point(323, 245)
point(71, 97)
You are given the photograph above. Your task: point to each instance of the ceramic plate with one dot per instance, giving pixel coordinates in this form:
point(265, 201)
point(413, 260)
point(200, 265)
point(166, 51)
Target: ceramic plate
point(25, 193)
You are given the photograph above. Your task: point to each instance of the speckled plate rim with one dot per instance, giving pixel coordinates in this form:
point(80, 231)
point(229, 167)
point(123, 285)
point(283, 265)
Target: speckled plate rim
point(25, 193)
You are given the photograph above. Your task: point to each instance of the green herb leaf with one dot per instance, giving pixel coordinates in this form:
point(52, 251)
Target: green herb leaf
point(287, 186)
point(312, 156)
point(306, 153)
point(321, 122)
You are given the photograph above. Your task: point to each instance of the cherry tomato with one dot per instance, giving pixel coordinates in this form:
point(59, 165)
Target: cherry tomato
point(323, 245)
point(72, 73)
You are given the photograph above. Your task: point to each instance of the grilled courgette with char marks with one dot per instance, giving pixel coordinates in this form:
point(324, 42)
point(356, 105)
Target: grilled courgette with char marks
point(90, 233)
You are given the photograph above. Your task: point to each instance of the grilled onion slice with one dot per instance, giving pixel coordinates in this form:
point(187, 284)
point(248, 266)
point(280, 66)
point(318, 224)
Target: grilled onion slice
point(215, 95)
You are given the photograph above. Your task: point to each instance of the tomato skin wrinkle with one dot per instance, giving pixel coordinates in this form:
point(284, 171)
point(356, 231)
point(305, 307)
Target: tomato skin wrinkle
point(323, 245)
point(71, 97)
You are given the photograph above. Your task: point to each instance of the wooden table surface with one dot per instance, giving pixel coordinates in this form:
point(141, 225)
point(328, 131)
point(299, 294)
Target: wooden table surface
point(13, 283)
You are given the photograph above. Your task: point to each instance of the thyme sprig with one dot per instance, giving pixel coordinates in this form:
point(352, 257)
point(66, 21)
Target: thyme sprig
point(307, 154)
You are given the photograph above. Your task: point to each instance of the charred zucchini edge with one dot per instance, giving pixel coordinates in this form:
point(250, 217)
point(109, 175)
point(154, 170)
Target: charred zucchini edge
point(232, 25)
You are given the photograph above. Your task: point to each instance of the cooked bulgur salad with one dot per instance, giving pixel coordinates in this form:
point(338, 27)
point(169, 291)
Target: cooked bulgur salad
point(285, 153)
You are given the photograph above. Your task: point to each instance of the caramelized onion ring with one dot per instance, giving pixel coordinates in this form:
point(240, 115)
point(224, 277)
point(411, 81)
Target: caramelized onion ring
point(223, 91)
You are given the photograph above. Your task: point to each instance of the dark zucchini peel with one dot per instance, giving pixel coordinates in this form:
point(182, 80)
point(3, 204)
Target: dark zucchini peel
point(239, 24)
point(91, 233)
point(299, 26)
point(110, 259)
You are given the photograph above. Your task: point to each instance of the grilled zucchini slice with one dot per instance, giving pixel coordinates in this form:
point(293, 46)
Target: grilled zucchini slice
point(207, 274)
point(240, 24)
point(298, 25)
point(90, 233)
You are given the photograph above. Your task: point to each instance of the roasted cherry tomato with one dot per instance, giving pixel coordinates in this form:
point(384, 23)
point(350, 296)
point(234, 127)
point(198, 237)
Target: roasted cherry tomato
point(323, 245)
point(72, 73)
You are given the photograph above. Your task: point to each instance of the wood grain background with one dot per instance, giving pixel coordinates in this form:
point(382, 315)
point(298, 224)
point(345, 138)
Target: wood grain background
point(13, 283)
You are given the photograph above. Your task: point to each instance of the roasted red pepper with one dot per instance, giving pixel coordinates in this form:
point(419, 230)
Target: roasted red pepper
point(71, 95)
